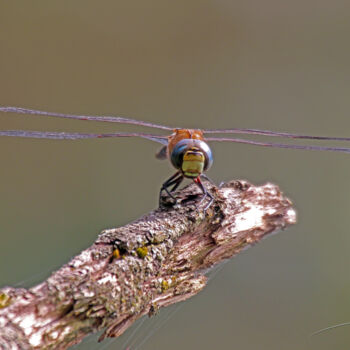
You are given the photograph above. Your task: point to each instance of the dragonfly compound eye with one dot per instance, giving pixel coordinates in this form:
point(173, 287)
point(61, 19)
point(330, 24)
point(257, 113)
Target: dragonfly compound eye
point(192, 156)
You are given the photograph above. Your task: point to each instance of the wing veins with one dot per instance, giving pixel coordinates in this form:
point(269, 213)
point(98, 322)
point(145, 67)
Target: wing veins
point(273, 134)
point(75, 136)
point(104, 118)
point(280, 145)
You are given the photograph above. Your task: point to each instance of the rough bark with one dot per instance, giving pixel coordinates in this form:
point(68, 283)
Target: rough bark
point(134, 270)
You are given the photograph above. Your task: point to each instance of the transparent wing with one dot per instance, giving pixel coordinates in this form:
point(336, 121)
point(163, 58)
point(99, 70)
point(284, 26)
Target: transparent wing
point(108, 119)
point(77, 136)
point(123, 120)
point(273, 134)
point(162, 153)
point(279, 145)
point(161, 139)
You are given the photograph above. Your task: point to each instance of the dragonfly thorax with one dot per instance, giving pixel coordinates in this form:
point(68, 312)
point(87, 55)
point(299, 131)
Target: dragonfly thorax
point(192, 157)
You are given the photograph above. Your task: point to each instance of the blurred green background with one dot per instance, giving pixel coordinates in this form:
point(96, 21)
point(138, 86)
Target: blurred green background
point(276, 65)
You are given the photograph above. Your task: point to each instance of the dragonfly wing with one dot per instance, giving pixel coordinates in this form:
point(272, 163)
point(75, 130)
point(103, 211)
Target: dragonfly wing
point(163, 141)
point(96, 118)
point(279, 145)
point(78, 136)
point(162, 153)
point(273, 134)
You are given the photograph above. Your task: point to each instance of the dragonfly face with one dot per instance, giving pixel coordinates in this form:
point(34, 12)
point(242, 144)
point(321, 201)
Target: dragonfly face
point(192, 157)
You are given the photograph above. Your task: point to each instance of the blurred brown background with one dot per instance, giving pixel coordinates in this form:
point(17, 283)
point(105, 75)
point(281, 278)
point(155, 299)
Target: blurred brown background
point(271, 64)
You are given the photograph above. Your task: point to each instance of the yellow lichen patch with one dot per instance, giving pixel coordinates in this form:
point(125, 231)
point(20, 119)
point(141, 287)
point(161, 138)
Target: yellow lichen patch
point(142, 252)
point(5, 300)
point(210, 214)
point(165, 285)
point(116, 253)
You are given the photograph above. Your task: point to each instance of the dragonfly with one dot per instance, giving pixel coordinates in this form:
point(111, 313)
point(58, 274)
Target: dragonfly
point(187, 149)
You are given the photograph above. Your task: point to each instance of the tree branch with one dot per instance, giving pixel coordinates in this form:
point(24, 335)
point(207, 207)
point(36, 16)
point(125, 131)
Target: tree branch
point(156, 261)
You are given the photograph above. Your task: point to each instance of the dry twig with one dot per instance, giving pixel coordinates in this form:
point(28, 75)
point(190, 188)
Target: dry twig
point(158, 260)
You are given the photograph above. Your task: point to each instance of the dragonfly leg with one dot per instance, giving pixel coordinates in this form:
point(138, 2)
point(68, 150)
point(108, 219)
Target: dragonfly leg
point(208, 179)
point(177, 184)
point(175, 181)
point(205, 192)
point(212, 182)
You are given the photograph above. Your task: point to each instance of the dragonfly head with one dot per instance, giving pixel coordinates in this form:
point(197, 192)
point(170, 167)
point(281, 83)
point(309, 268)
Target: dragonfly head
point(192, 157)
